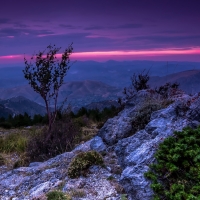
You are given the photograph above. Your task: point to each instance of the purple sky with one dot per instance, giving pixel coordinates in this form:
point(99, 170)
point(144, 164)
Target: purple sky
point(110, 29)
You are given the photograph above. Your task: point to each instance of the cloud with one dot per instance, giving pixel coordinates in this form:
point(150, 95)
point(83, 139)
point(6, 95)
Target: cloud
point(4, 20)
point(20, 25)
point(68, 26)
point(129, 26)
point(5, 32)
point(122, 26)
point(163, 40)
point(94, 27)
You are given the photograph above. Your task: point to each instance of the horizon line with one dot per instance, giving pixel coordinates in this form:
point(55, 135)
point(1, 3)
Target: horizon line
point(109, 55)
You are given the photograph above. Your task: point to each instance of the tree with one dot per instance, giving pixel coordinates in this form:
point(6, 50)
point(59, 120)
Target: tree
point(45, 73)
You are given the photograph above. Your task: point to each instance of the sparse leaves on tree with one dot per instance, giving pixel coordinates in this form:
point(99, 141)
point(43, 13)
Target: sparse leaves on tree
point(45, 73)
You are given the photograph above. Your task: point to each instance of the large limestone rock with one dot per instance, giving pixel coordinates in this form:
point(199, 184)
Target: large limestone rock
point(120, 126)
point(136, 152)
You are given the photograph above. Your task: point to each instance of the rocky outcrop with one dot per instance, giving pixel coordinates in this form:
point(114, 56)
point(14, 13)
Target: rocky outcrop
point(127, 154)
point(120, 126)
point(136, 152)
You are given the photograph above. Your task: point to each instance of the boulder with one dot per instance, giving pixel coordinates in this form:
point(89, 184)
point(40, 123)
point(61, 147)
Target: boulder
point(97, 144)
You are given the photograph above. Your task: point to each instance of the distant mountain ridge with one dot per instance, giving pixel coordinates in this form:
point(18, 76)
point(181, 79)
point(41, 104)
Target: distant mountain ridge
point(87, 93)
point(20, 105)
point(115, 73)
point(79, 93)
point(189, 80)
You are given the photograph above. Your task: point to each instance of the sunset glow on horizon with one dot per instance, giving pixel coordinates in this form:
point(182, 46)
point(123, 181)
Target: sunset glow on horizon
point(111, 55)
point(102, 30)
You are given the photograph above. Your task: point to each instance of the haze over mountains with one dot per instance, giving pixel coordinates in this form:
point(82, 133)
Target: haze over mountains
point(90, 81)
point(113, 73)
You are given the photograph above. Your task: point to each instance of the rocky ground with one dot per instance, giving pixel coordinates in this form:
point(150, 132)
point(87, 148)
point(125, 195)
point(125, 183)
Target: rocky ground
point(127, 153)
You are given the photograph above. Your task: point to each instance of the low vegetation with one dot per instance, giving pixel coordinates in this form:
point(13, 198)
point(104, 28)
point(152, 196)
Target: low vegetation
point(22, 120)
point(82, 162)
point(176, 175)
point(143, 114)
point(13, 142)
point(37, 143)
point(57, 195)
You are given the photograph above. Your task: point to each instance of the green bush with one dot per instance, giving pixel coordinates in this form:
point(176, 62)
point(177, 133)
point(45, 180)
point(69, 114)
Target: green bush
point(57, 195)
point(176, 175)
point(82, 162)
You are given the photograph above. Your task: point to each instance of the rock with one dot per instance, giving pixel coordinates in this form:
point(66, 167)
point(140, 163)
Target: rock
point(97, 144)
point(120, 126)
point(135, 153)
point(83, 147)
point(33, 182)
point(128, 155)
point(96, 185)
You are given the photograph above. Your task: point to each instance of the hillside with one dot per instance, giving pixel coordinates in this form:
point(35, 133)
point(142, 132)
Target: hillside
point(5, 112)
point(79, 93)
point(189, 80)
point(20, 105)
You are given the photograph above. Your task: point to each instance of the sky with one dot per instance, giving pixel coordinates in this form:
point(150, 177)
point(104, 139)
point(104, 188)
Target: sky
point(101, 30)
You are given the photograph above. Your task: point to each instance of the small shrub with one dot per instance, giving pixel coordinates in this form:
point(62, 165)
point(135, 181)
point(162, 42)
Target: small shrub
point(23, 161)
point(82, 162)
point(110, 178)
point(2, 160)
point(176, 175)
point(63, 136)
point(124, 197)
point(78, 193)
point(167, 90)
point(81, 121)
point(143, 115)
point(57, 195)
point(138, 82)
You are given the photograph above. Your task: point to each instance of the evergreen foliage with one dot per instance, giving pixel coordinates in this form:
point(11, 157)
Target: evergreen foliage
point(176, 175)
point(97, 115)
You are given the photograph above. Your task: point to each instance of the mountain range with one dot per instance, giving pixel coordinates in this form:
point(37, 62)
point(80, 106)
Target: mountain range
point(78, 93)
point(92, 82)
point(114, 73)
point(189, 81)
point(20, 105)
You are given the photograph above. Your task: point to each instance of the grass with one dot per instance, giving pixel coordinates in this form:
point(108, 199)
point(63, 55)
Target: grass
point(13, 143)
point(77, 193)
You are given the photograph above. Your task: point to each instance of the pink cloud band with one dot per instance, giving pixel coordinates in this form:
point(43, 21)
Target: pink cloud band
point(122, 55)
